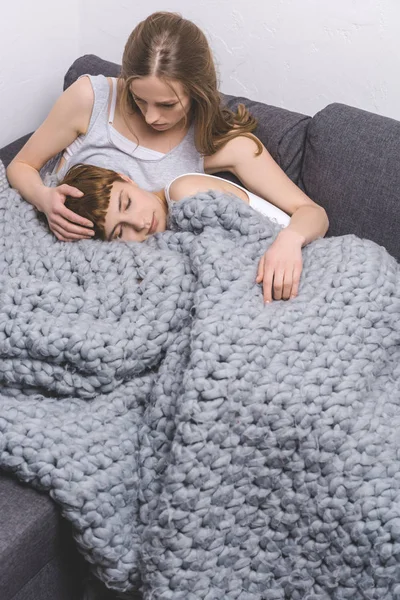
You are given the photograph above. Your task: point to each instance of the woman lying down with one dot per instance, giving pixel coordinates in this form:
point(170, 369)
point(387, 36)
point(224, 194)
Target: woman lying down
point(120, 210)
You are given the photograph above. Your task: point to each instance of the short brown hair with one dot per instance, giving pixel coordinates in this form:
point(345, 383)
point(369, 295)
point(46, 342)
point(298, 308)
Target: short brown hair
point(96, 184)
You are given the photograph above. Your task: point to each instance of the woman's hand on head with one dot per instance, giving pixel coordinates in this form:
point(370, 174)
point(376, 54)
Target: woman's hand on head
point(280, 267)
point(66, 225)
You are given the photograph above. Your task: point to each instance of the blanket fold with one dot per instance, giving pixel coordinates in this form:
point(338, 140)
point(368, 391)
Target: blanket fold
point(199, 441)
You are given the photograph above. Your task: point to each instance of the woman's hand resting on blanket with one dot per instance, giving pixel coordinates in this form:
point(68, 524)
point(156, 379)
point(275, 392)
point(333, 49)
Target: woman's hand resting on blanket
point(280, 267)
point(66, 225)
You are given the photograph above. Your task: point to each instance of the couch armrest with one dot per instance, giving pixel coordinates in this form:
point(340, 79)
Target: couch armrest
point(351, 167)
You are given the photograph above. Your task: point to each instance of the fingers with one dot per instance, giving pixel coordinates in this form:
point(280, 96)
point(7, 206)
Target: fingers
point(71, 229)
point(278, 283)
point(67, 236)
point(285, 289)
point(268, 278)
point(63, 211)
point(72, 217)
point(296, 281)
point(279, 270)
point(68, 190)
point(291, 280)
point(60, 237)
point(260, 270)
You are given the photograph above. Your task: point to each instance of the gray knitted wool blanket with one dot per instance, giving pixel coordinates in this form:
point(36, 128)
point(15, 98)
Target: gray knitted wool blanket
point(199, 441)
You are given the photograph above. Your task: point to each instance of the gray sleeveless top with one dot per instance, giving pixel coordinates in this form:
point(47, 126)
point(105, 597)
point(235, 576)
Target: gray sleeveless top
point(107, 148)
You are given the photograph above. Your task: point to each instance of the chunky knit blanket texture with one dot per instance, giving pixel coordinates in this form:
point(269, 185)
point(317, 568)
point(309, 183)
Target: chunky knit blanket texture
point(201, 442)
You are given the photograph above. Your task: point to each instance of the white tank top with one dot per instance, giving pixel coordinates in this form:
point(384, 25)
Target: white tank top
point(259, 204)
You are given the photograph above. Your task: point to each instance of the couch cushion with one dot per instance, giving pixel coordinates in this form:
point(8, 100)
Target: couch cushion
point(32, 533)
point(92, 65)
point(8, 152)
point(281, 131)
point(351, 167)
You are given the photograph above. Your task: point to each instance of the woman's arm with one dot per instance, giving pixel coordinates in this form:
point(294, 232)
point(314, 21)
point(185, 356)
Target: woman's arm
point(68, 119)
point(263, 176)
point(281, 265)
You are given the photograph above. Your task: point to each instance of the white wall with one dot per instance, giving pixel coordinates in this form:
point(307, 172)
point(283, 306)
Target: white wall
point(299, 54)
point(38, 42)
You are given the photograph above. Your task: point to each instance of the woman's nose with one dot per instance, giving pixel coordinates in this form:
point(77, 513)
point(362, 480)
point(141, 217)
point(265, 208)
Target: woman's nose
point(137, 228)
point(138, 224)
point(152, 115)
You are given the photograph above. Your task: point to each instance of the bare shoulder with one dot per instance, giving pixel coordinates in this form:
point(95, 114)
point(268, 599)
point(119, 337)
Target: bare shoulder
point(80, 94)
point(73, 108)
point(234, 151)
point(187, 185)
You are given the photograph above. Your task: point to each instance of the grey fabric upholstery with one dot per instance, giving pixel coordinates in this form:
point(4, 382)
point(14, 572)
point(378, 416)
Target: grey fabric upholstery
point(351, 167)
point(91, 64)
point(33, 537)
point(8, 152)
point(52, 582)
point(282, 132)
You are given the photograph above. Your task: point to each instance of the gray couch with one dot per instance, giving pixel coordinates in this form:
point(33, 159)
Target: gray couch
point(348, 161)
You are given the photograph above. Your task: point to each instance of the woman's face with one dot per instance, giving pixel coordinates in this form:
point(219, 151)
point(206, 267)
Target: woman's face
point(163, 105)
point(133, 214)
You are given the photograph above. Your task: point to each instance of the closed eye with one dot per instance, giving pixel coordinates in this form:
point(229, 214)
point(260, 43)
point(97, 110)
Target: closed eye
point(128, 204)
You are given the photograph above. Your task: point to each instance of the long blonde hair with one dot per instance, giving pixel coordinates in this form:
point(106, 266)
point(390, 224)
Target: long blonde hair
point(172, 48)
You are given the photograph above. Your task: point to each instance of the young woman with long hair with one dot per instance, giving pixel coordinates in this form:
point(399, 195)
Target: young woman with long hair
point(160, 119)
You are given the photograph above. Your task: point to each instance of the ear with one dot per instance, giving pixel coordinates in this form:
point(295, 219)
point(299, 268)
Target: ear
point(126, 178)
